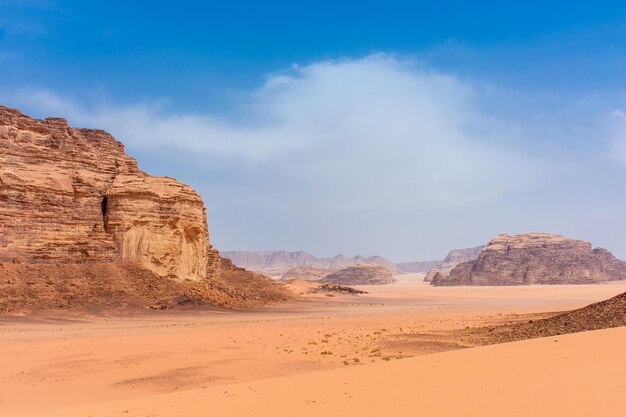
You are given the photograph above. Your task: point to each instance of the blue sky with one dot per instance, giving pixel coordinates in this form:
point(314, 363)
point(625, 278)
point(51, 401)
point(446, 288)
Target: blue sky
point(395, 128)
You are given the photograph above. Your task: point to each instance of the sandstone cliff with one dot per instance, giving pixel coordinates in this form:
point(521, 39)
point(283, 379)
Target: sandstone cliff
point(73, 196)
point(536, 258)
point(360, 275)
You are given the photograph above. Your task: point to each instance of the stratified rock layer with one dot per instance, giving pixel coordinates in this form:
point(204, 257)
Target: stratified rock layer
point(72, 195)
point(360, 275)
point(536, 258)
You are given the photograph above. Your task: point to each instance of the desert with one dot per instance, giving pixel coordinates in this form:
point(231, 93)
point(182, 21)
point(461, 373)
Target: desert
point(322, 355)
point(312, 209)
point(127, 309)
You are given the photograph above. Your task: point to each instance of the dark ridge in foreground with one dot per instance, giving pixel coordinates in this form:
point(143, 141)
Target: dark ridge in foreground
point(603, 315)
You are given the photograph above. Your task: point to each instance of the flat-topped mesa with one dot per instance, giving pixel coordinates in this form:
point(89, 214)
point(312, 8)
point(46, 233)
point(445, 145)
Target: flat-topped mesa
point(536, 258)
point(72, 195)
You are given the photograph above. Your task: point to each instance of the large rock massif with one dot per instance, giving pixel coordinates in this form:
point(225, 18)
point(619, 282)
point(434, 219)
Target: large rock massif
point(73, 196)
point(536, 258)
point(361, 275)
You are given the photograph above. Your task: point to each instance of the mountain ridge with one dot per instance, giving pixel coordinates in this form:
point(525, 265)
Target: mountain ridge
point(277, 263)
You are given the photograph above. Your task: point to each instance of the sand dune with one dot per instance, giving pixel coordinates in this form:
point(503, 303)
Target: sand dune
point(571, 375)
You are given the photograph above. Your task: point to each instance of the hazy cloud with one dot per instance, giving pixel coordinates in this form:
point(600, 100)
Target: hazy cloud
point(366, 133)
point(618, 114)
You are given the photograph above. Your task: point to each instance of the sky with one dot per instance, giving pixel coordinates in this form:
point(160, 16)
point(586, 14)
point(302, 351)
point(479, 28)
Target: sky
point(401, 129)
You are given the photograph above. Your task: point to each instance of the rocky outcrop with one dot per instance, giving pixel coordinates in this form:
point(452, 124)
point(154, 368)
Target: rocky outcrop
point(360, 275)
point(278, 263)
point(71, 196)
point(336, 288)
point(537, 258)
point(434, 277)
point(305, 274)
point(602, 315)
point(454, 257)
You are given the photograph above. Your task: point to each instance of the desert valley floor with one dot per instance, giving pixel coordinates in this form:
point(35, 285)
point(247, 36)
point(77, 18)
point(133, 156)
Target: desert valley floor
point(394, 350)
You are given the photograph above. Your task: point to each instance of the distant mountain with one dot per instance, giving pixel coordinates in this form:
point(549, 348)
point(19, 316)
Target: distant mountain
point(277, 263)
point(302, 264)
point(463, 255)
point(454, 257)
point(416, 267)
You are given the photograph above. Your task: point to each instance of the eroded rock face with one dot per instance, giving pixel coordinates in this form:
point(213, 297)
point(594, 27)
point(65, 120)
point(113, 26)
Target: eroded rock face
point(72, 195)
point(160, 223)
point(360, 275)
point(537, 258)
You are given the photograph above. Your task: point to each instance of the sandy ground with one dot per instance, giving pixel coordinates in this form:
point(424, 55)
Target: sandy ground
point(320, 355)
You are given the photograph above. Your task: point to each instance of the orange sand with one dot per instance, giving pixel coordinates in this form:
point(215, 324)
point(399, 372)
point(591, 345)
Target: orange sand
point(266, 362)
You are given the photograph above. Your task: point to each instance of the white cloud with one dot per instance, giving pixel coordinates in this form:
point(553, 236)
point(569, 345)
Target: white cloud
point(371, 133)
point(618, 114)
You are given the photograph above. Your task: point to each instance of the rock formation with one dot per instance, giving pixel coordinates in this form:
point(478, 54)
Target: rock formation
point(72, 196)
point(305, 273)
point(537, 258)
point(331, 287)
point(360, 275)
point(454, 257)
